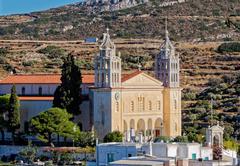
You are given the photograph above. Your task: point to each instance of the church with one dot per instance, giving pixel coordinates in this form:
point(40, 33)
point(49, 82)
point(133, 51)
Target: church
point(113, 101)
point(150, 105)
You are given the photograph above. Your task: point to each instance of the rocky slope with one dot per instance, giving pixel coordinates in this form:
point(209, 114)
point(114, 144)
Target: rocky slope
point(192, 20)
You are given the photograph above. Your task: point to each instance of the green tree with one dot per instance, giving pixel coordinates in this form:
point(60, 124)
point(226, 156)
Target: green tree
point(68, 94)
point(54, 121)
point(13, 113)
point(115, 136)
point(4, 104)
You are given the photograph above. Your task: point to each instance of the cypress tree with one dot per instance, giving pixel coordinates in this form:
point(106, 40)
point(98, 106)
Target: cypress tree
point(13, 112)
point(68, 94)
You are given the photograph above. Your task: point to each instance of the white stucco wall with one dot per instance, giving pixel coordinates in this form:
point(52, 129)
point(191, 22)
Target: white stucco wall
point(102, 112)
point(119, 152)
point(30, 89)
point(30, 109)
point(206, 152)
point(33, 89)
point(84, 117)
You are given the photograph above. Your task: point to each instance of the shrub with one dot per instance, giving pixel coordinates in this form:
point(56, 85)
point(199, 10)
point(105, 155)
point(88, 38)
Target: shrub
point(162, 138)
point(230, 144)
point(189, 96)
point(115, 136)
point(228, 78)
point(52, 52)
point(28, 63)
point(214, 81)
point(3, 51)
point(181, 139)
point(229, 47)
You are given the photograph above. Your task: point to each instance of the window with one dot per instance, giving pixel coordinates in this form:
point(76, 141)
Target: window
point(117, 106)
point(103, 80)
point(40, 91)
point(110, 157)
point(159, 105)
point(141, 103)
point(23, 90)
point(150, 105)
point(132, 106)
point(194, 156)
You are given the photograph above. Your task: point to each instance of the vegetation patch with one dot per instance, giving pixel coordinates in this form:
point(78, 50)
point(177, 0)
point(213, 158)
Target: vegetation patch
point(229, 47)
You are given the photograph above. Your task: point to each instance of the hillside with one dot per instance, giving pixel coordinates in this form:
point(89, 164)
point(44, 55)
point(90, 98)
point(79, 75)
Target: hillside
point(191, 20)
point(199, 61)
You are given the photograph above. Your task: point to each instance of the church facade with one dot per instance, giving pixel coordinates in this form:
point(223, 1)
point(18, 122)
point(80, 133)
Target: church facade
point(113, 101)
point(139, 102)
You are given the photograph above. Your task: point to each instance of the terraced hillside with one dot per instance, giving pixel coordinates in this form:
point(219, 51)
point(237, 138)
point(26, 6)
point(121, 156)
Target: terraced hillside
point(199, 61)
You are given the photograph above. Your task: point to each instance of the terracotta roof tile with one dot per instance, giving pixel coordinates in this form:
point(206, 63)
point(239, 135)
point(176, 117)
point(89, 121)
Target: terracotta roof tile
point(35, 98)
point(129, 76)
point(53, 78)
point(41, 79)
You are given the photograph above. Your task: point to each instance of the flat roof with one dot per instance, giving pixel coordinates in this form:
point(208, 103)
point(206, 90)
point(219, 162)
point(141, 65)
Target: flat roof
point(143, 160)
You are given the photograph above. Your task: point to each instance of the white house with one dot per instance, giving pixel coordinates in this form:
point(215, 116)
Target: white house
point(109, 152)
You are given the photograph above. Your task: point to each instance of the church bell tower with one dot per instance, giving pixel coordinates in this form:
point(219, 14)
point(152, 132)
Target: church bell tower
point(167, 71)
point(107, 65)
point(167, 64)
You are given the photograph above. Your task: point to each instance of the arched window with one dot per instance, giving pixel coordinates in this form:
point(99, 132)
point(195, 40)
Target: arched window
point(23, 90)
point(40, 91)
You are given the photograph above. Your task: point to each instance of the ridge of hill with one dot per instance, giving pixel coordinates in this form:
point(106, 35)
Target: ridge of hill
point(190, 20)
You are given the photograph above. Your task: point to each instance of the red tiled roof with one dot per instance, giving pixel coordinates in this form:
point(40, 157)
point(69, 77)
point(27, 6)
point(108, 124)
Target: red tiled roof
point(53, 78)
point(129, 76)
point(42, 79)
point(35, 98)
